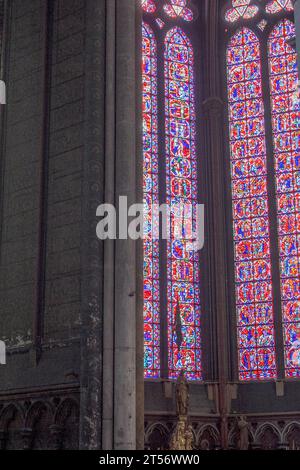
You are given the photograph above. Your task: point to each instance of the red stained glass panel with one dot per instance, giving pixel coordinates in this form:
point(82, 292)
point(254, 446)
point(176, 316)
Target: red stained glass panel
point(254, 297)
point(183, 263)
point(286, 126)
point(151, 245)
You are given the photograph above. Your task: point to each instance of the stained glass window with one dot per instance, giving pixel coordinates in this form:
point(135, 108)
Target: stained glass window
point(151, 246)
point(178, 8)
point(171, 271)
point(277, 5)
point(286, 142)
point(241, 9)
point(181, 168)
point(148, 6)
point(254, 298)
point(256, 104)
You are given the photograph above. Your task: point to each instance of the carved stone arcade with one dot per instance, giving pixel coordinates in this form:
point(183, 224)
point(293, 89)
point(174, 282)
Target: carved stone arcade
point(266, 434)
point(40, 423)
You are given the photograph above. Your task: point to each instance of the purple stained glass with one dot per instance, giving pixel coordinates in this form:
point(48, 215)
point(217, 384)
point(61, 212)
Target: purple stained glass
point(150, 166)
point(253, 283)
point(286, 141)
point(181, 172)
point(148, 6)
point(178, 9)
point(275, 6)
point(240, 9)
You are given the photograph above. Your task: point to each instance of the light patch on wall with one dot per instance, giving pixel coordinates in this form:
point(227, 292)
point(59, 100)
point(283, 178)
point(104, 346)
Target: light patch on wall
point(2, 92)
point(2, 353)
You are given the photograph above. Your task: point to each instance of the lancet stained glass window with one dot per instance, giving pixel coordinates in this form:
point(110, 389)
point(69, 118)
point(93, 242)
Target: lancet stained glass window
point(181, 161)
point(250, 209)
point(151, 246)
point(171, 268)
point(286, 137)
point(276, 105)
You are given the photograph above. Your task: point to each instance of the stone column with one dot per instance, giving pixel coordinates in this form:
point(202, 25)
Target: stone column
point(297, 25)
point(125, 249)
point(56, 433)
point(3, 437)
point(215, 213)
point(109, 245)
point(112, 373)
point(26, 435)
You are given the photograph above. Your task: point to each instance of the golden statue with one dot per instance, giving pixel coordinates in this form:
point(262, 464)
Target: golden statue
point(178, 437)
point(182, 437)
point(189, 438)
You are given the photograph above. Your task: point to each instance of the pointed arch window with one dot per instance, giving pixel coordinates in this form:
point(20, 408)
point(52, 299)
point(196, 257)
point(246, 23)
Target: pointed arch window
point(181, 179)
point(171, 271)
point(151, 247)
point(264, 146)
point(250, 208)
point(286, 144)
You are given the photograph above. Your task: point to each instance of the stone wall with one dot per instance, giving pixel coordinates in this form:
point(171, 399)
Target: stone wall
point(62, 297)
point(40, 421)
point(41, 186)
point(70, 70)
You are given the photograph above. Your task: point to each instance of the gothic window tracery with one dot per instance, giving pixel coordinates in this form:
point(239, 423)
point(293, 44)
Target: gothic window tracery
point(264, 149)
point(241, 9)
point(276, 6)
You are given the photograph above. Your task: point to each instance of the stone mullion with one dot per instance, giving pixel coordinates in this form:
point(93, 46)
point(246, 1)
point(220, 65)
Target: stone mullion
point(109, 245)
point(126, 256)
point(215, 212)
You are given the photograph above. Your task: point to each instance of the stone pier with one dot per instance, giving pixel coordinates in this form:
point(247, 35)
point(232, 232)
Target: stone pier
point(112, 406)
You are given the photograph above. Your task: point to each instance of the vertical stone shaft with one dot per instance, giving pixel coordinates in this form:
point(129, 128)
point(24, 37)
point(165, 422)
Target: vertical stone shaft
point(109, 245)
point(297, 25)
point(213, 107)
point(125, 250)
point(38, 323)
point(91, 248)
point(110, 292)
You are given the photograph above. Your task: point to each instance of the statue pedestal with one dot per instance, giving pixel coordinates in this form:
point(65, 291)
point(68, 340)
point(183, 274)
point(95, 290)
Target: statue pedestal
point(183, 436)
